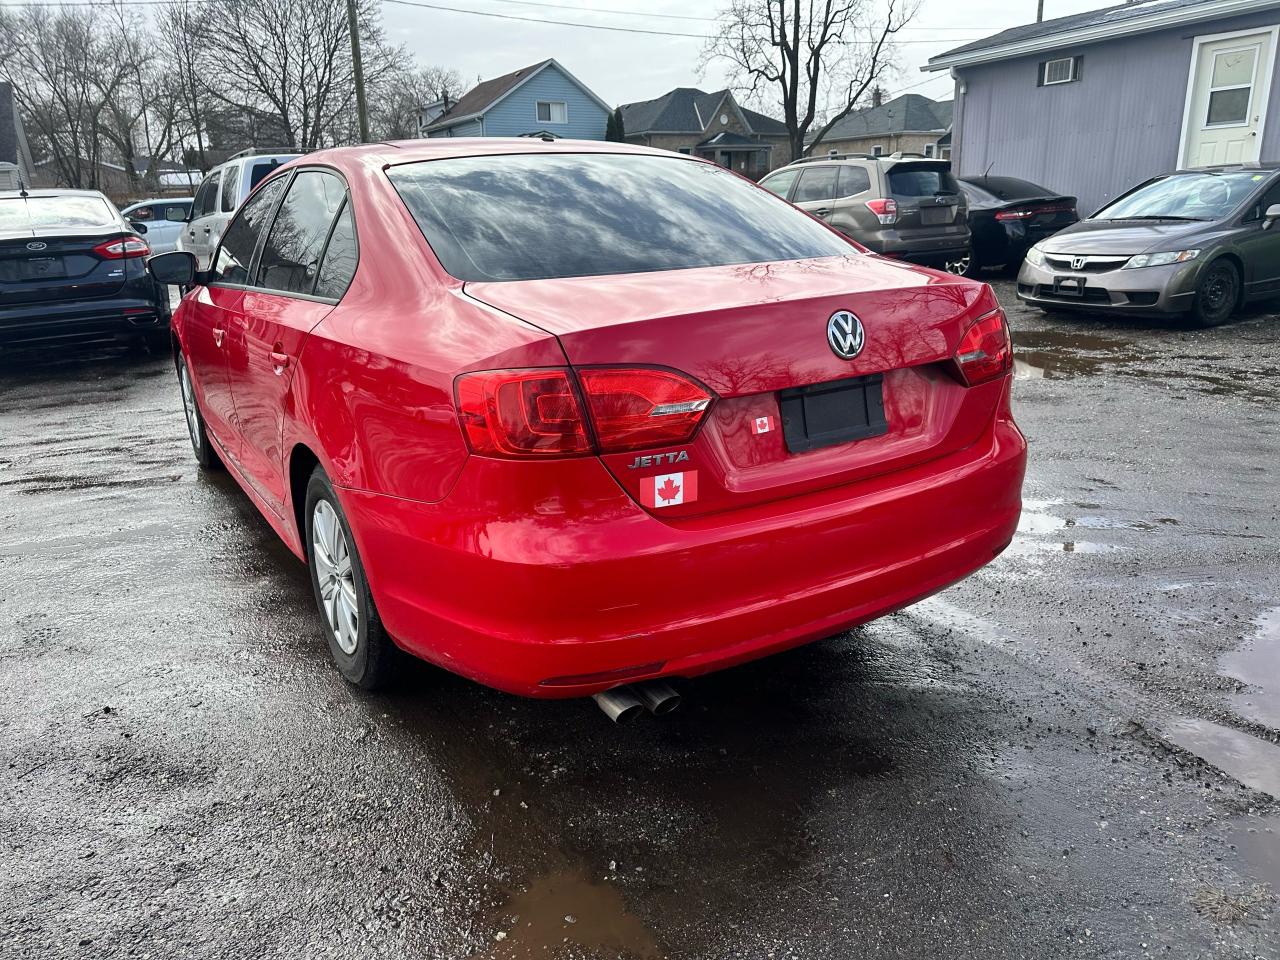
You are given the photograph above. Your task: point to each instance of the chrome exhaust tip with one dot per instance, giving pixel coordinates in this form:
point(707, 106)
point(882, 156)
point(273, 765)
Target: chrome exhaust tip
point(659, 697)
point(621, 705)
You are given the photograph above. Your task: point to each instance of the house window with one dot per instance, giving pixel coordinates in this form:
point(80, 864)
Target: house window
point(553, 111)
point(928, 149)
point(686, 150)
point(877, 151)
point(1062, 70)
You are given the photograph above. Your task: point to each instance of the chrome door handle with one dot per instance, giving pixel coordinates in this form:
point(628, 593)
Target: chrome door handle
point(218, 334)
point(279, 361)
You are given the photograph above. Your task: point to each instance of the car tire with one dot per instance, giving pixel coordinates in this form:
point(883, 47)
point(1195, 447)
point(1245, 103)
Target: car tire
point(201, 446)
point(361, 649)
point(961, 266)
point(1217, 294)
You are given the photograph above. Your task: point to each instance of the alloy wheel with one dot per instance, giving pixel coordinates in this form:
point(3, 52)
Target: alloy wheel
point(959, 267)
point(189, 406)
point(335, 576)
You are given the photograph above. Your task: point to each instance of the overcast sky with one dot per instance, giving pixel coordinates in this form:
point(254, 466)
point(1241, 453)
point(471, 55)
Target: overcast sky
point(624, 67)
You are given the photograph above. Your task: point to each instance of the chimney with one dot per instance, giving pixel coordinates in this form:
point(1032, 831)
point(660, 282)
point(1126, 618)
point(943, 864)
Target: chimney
point(877, 96)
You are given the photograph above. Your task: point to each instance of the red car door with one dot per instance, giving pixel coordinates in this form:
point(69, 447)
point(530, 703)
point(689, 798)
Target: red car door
point(291, 293)
point(207, 317)
point(215, 318)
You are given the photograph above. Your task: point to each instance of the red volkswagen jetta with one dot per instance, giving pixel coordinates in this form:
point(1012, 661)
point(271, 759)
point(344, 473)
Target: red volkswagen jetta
point(568, 416)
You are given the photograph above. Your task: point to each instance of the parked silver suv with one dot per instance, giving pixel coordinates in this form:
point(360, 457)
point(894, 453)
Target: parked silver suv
point(905, 205)
point(219, 196)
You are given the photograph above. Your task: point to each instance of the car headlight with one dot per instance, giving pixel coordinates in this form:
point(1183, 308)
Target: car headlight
point(1161, 259)
point(1035, 256)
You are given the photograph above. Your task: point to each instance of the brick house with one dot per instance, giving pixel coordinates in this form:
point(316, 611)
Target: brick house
point(908, 124)
point(711, 125)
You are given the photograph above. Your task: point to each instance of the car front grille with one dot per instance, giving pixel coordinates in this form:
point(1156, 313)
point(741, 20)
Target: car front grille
point(1087, 264)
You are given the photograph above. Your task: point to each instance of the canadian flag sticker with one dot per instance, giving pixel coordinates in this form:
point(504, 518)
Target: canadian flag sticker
point(668, 489)
point(761, 425)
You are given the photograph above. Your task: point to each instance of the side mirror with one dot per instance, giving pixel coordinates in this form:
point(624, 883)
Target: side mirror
point(178, 269)
point(139, 227)
point(1271, 216)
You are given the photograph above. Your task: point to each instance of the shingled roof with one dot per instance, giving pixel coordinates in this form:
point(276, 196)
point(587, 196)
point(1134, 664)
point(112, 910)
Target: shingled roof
point(483, 94)
point(909, 113)
point(1104, 24)
point(689, 110)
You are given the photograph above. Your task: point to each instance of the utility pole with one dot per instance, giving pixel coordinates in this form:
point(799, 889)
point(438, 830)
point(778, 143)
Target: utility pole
point(362, 109)
point(1040, 11)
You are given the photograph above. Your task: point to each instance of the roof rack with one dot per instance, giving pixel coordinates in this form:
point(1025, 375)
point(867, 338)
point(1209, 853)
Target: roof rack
point(259, 151)
point(837, 156)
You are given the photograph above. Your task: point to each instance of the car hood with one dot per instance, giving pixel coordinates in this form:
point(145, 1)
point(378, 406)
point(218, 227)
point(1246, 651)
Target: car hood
point(1122, 236)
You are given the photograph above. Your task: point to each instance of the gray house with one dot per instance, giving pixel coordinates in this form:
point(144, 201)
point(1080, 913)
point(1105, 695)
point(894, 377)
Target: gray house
point(910, 123)
point(15, 155)
point(1095, 103)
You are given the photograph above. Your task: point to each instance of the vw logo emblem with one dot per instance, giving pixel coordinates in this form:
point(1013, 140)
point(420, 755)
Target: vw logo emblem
point(1077, 263)
point(37, 245)
point(845, 334)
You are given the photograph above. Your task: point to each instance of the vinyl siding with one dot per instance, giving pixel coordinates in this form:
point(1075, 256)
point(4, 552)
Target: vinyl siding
point(517, 114)
point(1120, 124)
point(468, 128)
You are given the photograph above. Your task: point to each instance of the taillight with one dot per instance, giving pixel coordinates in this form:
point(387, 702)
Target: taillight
point(537, 413)
point(1026, 213)
point(886, 211)
point(985, 351)
point(122, 249)
point(633, 408)
point(522, 413)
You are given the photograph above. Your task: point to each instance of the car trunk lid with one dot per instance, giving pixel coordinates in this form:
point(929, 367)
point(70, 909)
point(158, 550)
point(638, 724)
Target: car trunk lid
point(757, 336)
point(41, 265)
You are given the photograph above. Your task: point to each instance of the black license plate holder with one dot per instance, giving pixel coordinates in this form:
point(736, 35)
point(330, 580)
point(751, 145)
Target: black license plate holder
point(42, 268)
point(1068, 286)
point(825, 414)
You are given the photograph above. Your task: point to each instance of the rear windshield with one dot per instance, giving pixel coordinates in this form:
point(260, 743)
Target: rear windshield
point(531, 217)
point(18, 213)
point(1185, 196)
point(920, 180)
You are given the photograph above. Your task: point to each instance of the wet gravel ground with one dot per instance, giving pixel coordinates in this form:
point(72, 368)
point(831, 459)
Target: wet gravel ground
point(1071, 754)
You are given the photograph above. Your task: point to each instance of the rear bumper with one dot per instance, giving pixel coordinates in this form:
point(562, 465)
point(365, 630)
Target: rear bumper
point(1169, 289)
point(935, 247)
point(101, 319)
point(558, 594)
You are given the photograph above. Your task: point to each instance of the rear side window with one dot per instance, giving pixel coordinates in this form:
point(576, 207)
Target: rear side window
point(339, 265)
point(816, 183)
point(911, 180)
point(534, 216)
point(177, 212)
point(241, 239)
point(260, 171)
point(780, 183)
point(207, 196)
point(291, 257)
point(230, 189)
point(853, 180)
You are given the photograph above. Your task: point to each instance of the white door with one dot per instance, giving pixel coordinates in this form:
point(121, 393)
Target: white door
point(1227, 98)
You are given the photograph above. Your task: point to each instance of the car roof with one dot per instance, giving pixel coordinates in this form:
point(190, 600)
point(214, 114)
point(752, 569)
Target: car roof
point(395, 152)
point(162, 200)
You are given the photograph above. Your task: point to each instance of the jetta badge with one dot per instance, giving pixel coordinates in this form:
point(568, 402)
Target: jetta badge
point(845, 335)
point(37, 245)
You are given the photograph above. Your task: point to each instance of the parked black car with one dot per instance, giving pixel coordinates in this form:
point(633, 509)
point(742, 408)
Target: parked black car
point(72, 268)
point(1007, 216)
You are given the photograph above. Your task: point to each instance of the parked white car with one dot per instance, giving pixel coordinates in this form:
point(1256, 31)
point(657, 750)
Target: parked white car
point(164, 219)
point(219, 196)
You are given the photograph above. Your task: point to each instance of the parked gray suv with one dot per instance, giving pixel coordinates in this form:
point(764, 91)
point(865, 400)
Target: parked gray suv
point(1200, 242)
point(905, 206)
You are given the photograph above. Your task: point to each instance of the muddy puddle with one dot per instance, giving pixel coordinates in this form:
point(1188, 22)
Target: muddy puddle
point(1258, 841)
point(1057, 526)
point(1257, 665)
point(1253, 762)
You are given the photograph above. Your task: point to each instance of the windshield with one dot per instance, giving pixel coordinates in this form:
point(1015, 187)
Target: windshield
point(530, 217)
point(18, 213)
point(1184, 196)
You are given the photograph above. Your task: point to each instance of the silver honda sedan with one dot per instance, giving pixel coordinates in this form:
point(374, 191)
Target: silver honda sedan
point(1197, 242)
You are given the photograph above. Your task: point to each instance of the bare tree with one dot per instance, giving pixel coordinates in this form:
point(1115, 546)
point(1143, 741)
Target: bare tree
point(817, 56)
point(180, 30)
point(398, 96)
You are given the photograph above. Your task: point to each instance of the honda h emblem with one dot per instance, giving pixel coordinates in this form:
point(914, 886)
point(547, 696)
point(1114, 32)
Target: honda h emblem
point(845, 334)
point(1077, 263)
